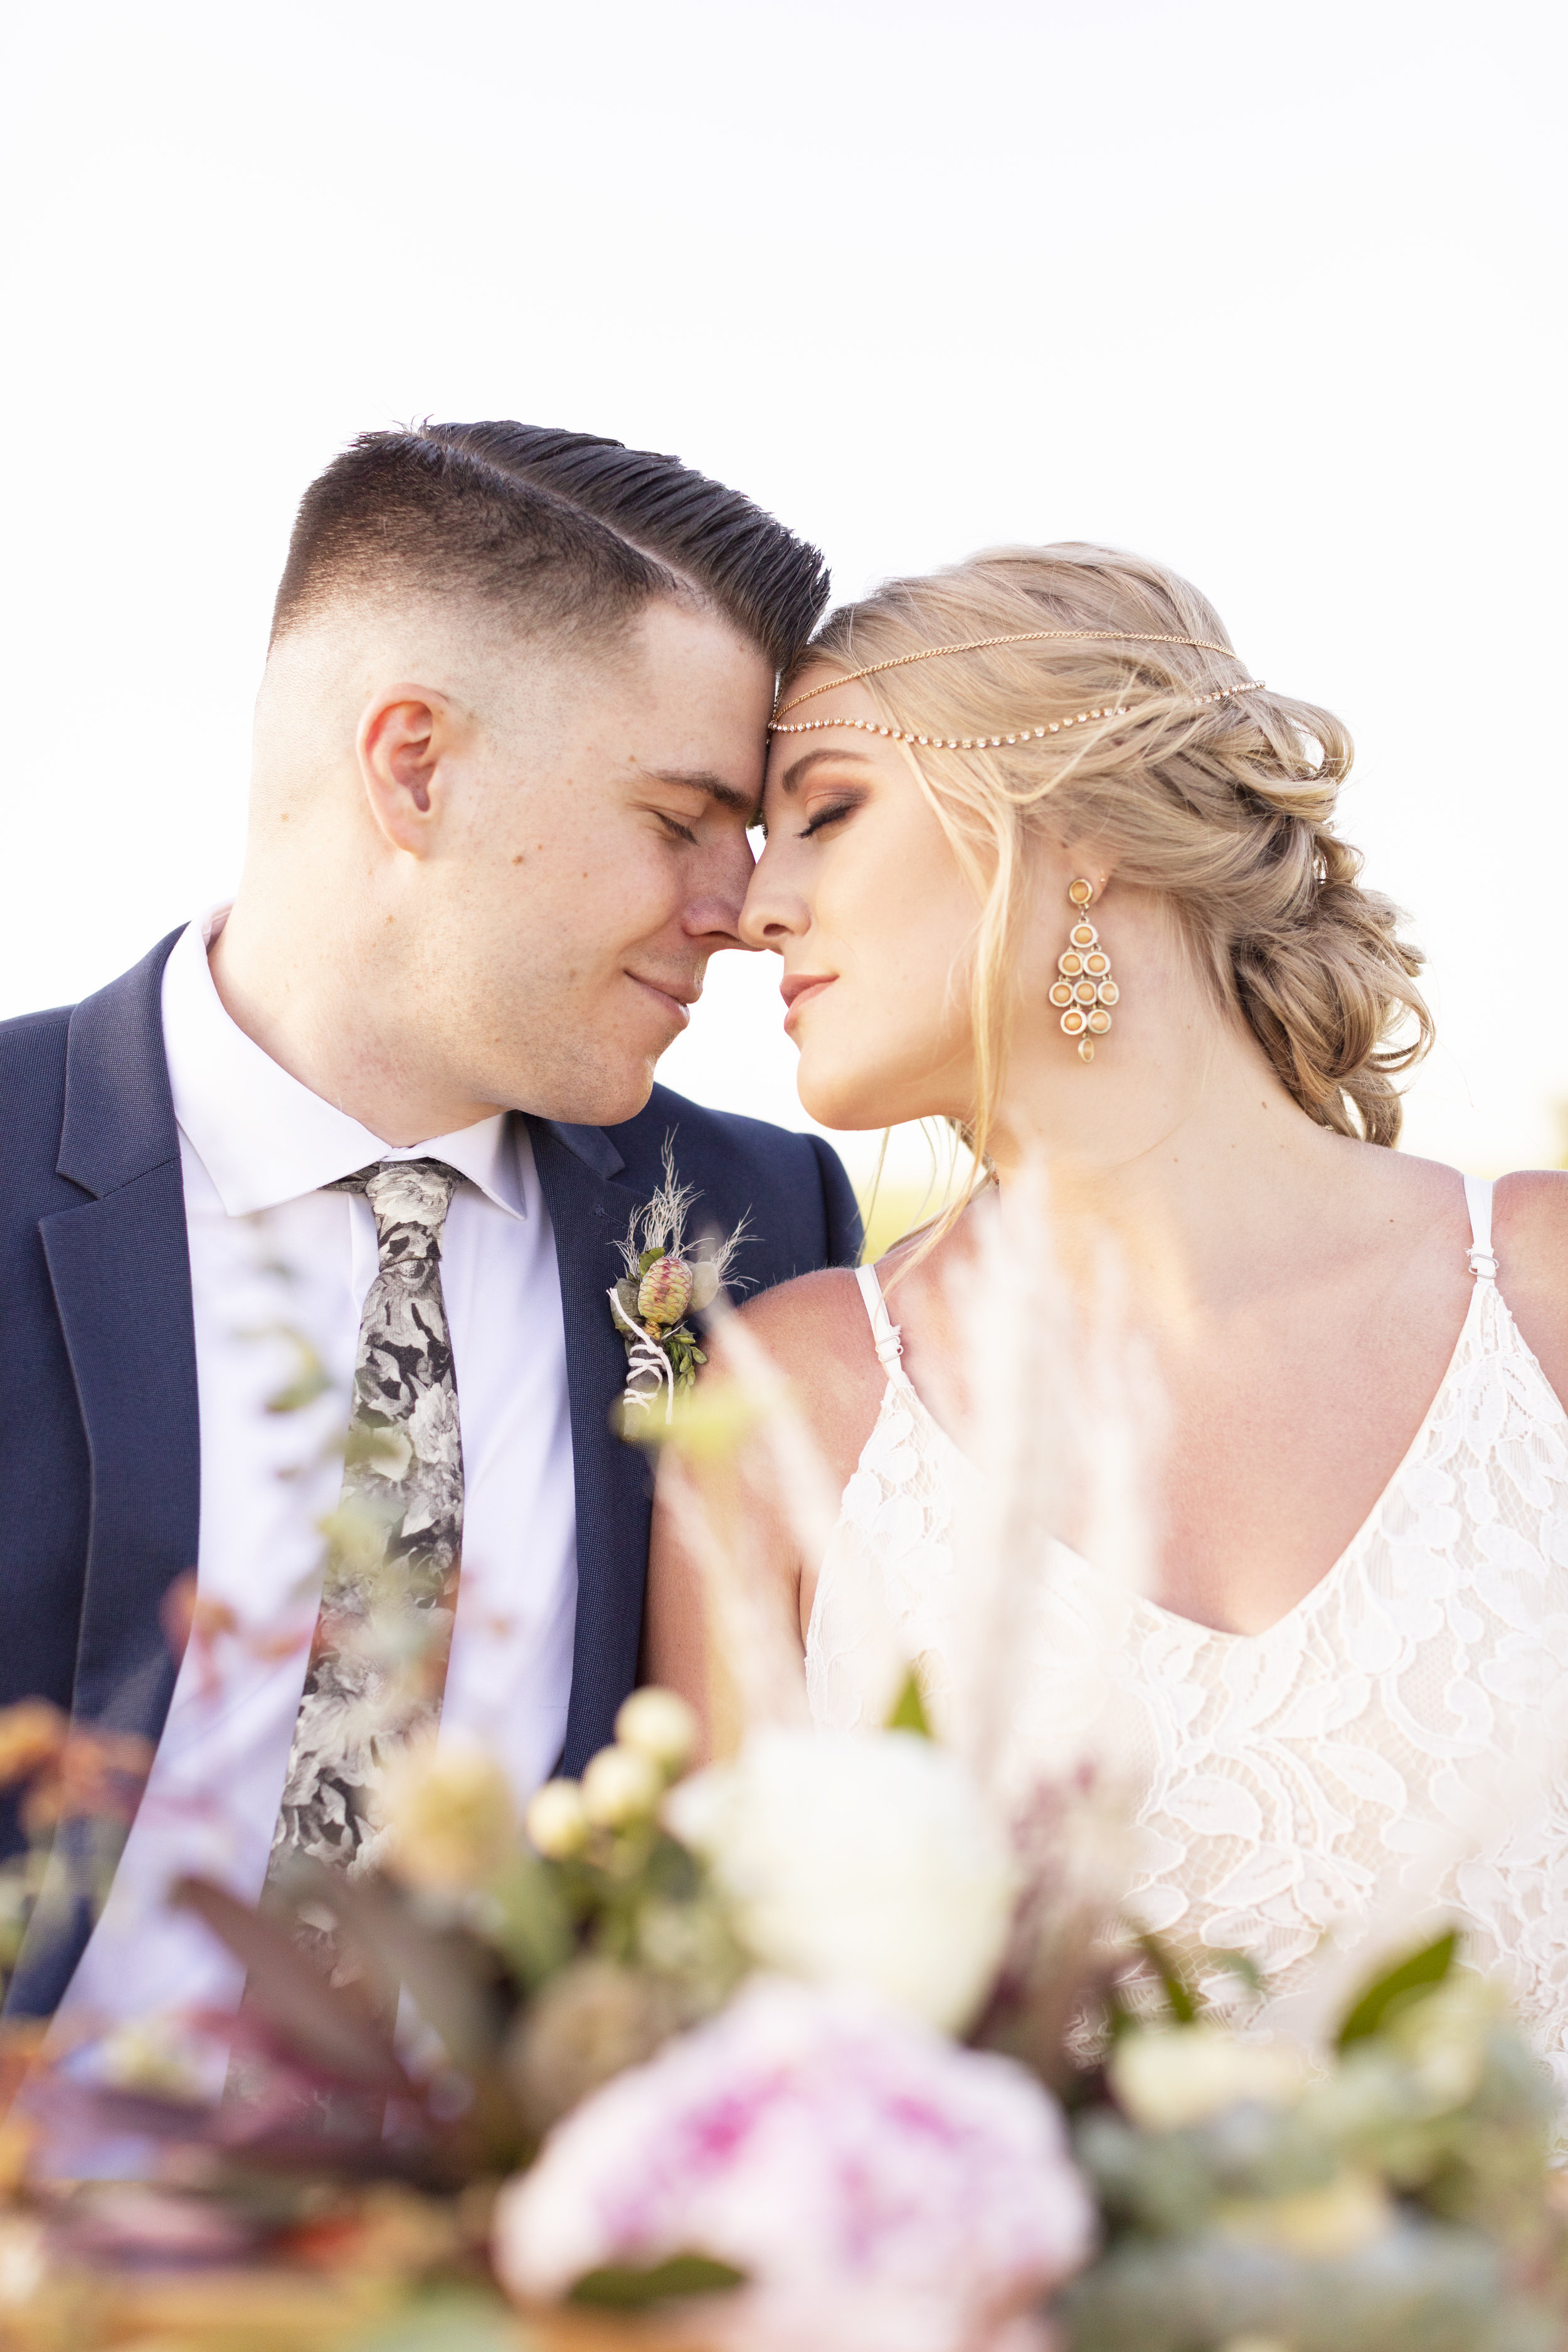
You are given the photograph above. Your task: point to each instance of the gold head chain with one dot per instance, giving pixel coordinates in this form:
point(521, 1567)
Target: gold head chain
point(979, 645)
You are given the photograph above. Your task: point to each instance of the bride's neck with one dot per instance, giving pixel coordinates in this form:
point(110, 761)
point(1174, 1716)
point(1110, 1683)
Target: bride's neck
point(1185, 1148)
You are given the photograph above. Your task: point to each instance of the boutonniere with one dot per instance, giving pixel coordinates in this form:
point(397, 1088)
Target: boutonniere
point(664, 1282)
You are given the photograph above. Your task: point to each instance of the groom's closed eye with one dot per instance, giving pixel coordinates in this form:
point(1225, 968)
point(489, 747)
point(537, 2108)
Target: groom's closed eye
point(711, 787)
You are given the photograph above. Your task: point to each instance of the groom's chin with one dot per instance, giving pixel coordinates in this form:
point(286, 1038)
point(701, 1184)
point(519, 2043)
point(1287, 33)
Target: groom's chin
point(603, 1094)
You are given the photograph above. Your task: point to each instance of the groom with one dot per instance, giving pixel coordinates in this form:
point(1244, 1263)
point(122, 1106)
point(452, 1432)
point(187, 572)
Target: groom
point(393, 1109)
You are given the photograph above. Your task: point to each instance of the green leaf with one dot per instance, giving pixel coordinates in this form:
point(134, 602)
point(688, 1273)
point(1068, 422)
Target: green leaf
point(296, 1394)
point(1180, 1997)
point(622, 2289)
point(309, 1378)
point(1241, 1965)
point(909, 1710)
point(533, 1923)
point(1119, 2019)
point(1421, 1974)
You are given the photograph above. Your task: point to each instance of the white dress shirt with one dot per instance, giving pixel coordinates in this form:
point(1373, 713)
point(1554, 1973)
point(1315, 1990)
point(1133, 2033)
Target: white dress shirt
point(280, 1271)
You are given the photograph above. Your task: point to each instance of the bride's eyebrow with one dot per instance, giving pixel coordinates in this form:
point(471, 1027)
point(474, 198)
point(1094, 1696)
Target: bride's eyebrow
point(799, 769)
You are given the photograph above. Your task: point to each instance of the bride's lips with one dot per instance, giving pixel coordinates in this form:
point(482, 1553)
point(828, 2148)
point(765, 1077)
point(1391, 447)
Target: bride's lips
point(677, 1001)
point(796, 987)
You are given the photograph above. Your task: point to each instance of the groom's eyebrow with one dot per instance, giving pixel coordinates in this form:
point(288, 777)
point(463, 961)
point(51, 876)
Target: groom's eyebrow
point(798, 769)
point(702, 780)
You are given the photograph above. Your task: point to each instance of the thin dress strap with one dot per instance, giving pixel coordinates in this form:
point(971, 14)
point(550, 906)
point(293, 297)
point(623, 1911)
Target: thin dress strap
point(884, 1334)
point(1479, 1201)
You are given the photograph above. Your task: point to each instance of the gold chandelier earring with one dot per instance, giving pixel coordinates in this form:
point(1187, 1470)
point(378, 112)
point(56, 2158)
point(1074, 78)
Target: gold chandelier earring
point(1086, 992)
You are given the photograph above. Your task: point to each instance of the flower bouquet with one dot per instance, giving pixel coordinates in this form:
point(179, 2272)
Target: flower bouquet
point(740, 2048)
point(841, 2040)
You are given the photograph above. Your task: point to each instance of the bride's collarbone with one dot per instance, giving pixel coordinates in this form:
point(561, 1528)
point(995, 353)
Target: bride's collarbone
point(1284, 1437)
point(1289, 1414)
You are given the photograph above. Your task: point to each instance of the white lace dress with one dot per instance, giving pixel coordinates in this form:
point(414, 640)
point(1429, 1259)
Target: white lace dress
point(1287, 1778)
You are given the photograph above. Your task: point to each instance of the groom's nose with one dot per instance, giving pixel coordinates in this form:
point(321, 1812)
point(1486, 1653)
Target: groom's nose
point(713, 911)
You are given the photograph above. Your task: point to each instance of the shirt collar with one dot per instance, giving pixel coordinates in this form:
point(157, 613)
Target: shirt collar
point(264, 1138)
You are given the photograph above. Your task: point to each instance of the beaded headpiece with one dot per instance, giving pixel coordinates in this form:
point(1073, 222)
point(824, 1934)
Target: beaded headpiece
point(979, 645)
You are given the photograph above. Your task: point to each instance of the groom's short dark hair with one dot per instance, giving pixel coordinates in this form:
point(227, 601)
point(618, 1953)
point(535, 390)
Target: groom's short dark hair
point(571, 531)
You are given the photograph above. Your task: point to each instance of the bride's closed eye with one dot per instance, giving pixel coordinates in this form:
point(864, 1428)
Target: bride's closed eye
point(831, 815)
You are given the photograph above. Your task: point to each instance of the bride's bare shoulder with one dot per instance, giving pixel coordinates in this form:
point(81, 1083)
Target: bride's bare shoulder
point(1529, 1235)
point(816, 1315)
point(1531, 1214)
point(816, 1329)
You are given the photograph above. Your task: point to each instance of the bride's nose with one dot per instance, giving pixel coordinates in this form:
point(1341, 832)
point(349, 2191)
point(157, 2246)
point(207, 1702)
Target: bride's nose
point(772, 914)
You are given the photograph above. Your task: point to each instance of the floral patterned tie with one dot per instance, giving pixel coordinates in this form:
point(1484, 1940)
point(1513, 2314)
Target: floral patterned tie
point(378, 1663)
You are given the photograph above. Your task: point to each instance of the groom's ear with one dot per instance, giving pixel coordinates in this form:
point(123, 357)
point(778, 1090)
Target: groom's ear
point(403, 738)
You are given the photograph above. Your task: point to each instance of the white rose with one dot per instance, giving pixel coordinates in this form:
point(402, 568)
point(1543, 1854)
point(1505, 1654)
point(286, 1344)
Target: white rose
point(858, 1859)
point(1186, 2073)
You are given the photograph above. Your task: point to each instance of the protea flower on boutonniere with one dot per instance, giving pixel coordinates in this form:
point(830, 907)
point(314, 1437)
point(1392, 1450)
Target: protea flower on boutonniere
point(664, 1282)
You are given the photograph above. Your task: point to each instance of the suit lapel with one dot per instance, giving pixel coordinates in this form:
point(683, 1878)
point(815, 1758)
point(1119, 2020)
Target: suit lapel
point(589, 1213)
point(121, 1272)
point(123, 1285)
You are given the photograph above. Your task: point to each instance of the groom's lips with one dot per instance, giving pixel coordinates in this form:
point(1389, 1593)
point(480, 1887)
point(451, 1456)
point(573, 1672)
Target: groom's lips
point(797, 986)
point(676, 999)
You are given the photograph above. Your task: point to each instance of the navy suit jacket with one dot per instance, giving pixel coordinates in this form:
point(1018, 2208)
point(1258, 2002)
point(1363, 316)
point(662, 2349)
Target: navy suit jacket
point(100, 1444)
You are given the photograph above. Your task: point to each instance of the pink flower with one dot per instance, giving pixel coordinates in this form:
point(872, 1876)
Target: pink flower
point(859, 2169)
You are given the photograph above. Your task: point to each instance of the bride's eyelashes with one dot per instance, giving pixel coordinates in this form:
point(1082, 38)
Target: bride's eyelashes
point(831, 815)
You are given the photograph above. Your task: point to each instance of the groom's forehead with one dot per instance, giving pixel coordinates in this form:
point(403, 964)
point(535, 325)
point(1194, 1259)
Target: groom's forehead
point(688, 710)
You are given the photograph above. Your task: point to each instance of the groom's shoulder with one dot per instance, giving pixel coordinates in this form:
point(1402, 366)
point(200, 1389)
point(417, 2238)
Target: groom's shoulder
point(33, 1067)
point(724, 1138)
point(716, 1145)
point(93, 1073)
point(33, 1045)
point(791, 1188)
point(32, 1094)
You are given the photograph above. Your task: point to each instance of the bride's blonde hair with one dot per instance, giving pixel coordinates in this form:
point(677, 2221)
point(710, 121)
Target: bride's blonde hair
point(1225, 807)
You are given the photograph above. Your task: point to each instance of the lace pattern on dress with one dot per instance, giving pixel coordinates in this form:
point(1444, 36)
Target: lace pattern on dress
point(1291, 1779)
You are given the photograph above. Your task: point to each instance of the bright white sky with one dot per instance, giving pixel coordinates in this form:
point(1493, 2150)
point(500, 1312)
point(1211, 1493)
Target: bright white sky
point(1273, 293)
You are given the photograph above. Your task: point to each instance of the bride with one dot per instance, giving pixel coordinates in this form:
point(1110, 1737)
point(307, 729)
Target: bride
point(1045, 861)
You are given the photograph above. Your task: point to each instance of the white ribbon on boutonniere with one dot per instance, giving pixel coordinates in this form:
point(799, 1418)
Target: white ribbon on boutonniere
point(665, 1281)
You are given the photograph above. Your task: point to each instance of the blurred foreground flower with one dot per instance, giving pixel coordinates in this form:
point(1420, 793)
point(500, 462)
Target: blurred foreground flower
point(556, 1822)
point(620, 1786)
point(1164, 2081)
point(446, 1815)
point(660, 1725)
point(1389, 2198)
point(857, 1859)
point(873, 2183)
